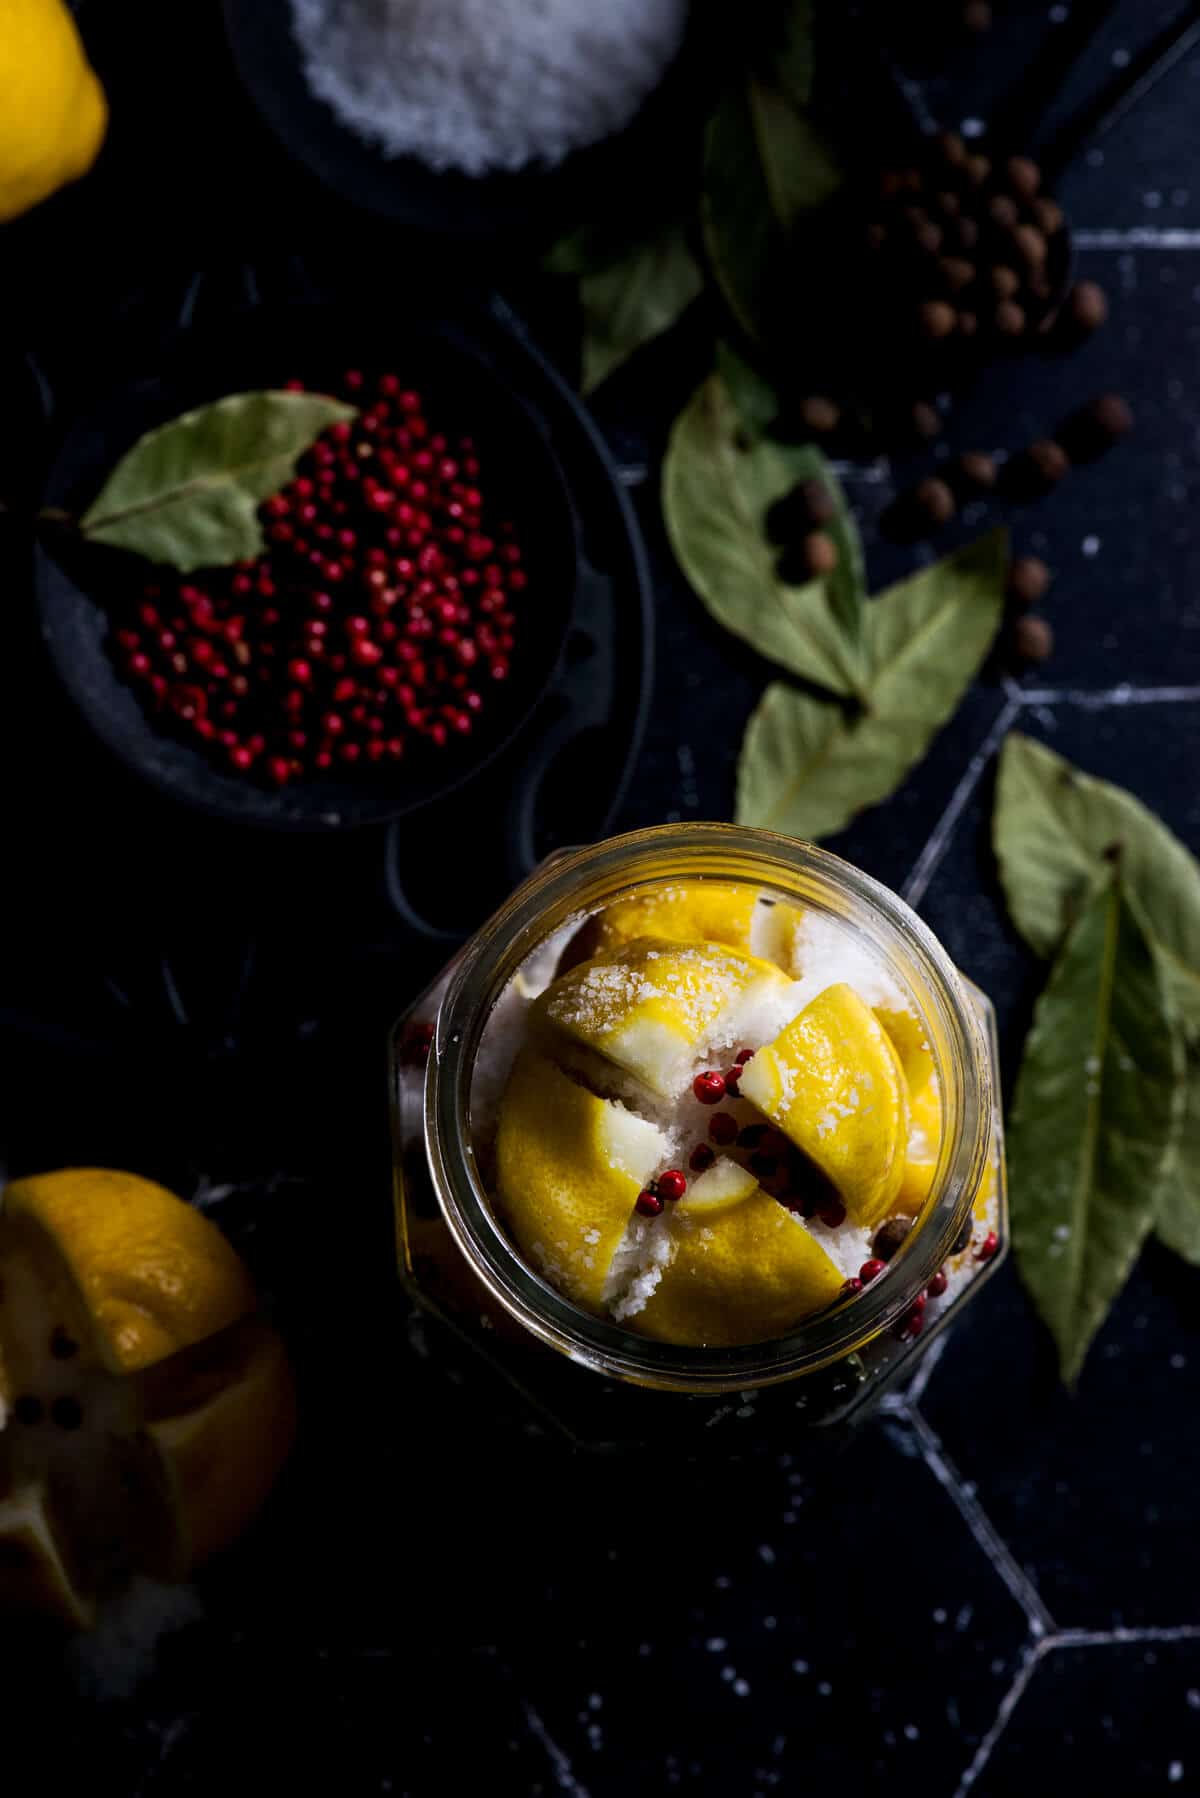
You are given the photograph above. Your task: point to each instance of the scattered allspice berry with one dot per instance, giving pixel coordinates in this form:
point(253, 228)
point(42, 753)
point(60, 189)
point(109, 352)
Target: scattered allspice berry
point(1002, 210)
point(1028, 579)
point(1032, 639)
point(1045, 463)
point(1098, 426)
point(1048, 215)
point(821, 414)
point(820, 553)
point(1005, 281)
point(818, 501)
point(975, 472)
point(934, 501)
point(1087, 306)
point(956, 272)
point(926, 420)
point(977, 16)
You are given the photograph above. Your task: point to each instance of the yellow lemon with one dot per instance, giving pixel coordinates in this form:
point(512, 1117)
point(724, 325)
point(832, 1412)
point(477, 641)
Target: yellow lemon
point(146, 1409)
point(653, 1006)
point(742, 1270)
point(833, 1083)
point(693, 911)
point(911, 1045)
point(569, 1167)
point(52, 108)
point(924, 1143)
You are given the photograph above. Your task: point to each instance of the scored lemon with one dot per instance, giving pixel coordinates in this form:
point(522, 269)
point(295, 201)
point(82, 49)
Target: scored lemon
point(652, 1006)
point(743, 1269)
point(146, 1409)
point(569, 1168)
point(693, 911)
point(924, 1145)
point(53, 113)
point(833, 1083)
point(911, 1044)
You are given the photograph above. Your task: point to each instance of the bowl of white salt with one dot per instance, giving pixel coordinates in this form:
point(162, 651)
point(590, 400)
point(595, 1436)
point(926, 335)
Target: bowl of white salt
point(470, 117)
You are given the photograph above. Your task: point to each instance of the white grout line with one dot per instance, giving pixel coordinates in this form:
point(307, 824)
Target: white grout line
point(1008, 1705)
point(1122, 1637)
point(995, 1549)
point(927, 862)
point(564, 1778)
point(1138, 237)
point(1095, 700)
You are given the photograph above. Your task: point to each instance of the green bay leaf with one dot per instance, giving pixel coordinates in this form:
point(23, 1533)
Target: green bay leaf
point(754, 398)
point(766, 165)
point(807, 768)
point(1052, 827)
point(188, 492)
point(716, 491)
point(634, 300)
point(1092, 1121)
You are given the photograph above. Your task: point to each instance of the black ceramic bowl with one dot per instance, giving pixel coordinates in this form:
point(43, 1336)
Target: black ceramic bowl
point(450, 365)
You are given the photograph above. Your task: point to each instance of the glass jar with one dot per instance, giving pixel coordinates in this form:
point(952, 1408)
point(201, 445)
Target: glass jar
point(602, 1384)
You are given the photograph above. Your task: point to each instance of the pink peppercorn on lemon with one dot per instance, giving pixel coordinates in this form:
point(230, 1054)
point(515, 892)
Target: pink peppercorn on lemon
point(651, 1006)
point(146, 1410)
point(742, 1268)
point(833, 1083)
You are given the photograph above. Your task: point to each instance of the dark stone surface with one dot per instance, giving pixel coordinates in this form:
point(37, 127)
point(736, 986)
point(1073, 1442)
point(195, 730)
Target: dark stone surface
point(994, 1589)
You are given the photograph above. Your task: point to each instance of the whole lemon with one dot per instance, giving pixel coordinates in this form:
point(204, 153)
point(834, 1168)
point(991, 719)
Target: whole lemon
point(53, 112)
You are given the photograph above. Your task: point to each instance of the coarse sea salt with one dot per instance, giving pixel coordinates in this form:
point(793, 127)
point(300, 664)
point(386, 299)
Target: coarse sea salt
point(479, 85)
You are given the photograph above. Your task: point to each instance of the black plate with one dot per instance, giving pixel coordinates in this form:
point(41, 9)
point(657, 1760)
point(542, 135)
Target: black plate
point(451, 364)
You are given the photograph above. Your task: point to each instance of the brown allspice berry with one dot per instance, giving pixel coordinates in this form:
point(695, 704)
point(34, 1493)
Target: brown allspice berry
point(967, 323)
point(928, 237)
point(1009, 318)
point(1030, 244)
point(977, 16)
point(1028, 579)
point(820, 553)
point(948, 204)
point(1097, 426)
point(936, 319)
point(1087, 306)
point(975, 472)
point(978, 169)
point(957, 273)
point(820, 414)
point(1047, 215)
point(818, 502)
point(1024, 176)
point(1045, 462)
point(926, 420)
point(953, 149)
point(966, 233)
point(1032, 638)
point(1003, 211)
point(934, 501)
point(1005, 281)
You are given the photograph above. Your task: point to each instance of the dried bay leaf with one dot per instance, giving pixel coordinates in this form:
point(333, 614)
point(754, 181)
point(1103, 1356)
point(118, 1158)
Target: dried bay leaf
point(1053, 830)
point(1052, 827)
point(766, 165)
point(188, 492)
point(717, 490)
point(635, 299)
point(806, 768)
point(1093, 1120)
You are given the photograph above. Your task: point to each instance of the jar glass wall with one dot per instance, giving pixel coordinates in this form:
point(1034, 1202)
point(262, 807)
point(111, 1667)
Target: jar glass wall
point(603, 1383)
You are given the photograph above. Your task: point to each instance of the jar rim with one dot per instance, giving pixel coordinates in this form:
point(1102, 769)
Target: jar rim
point(574, 883)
